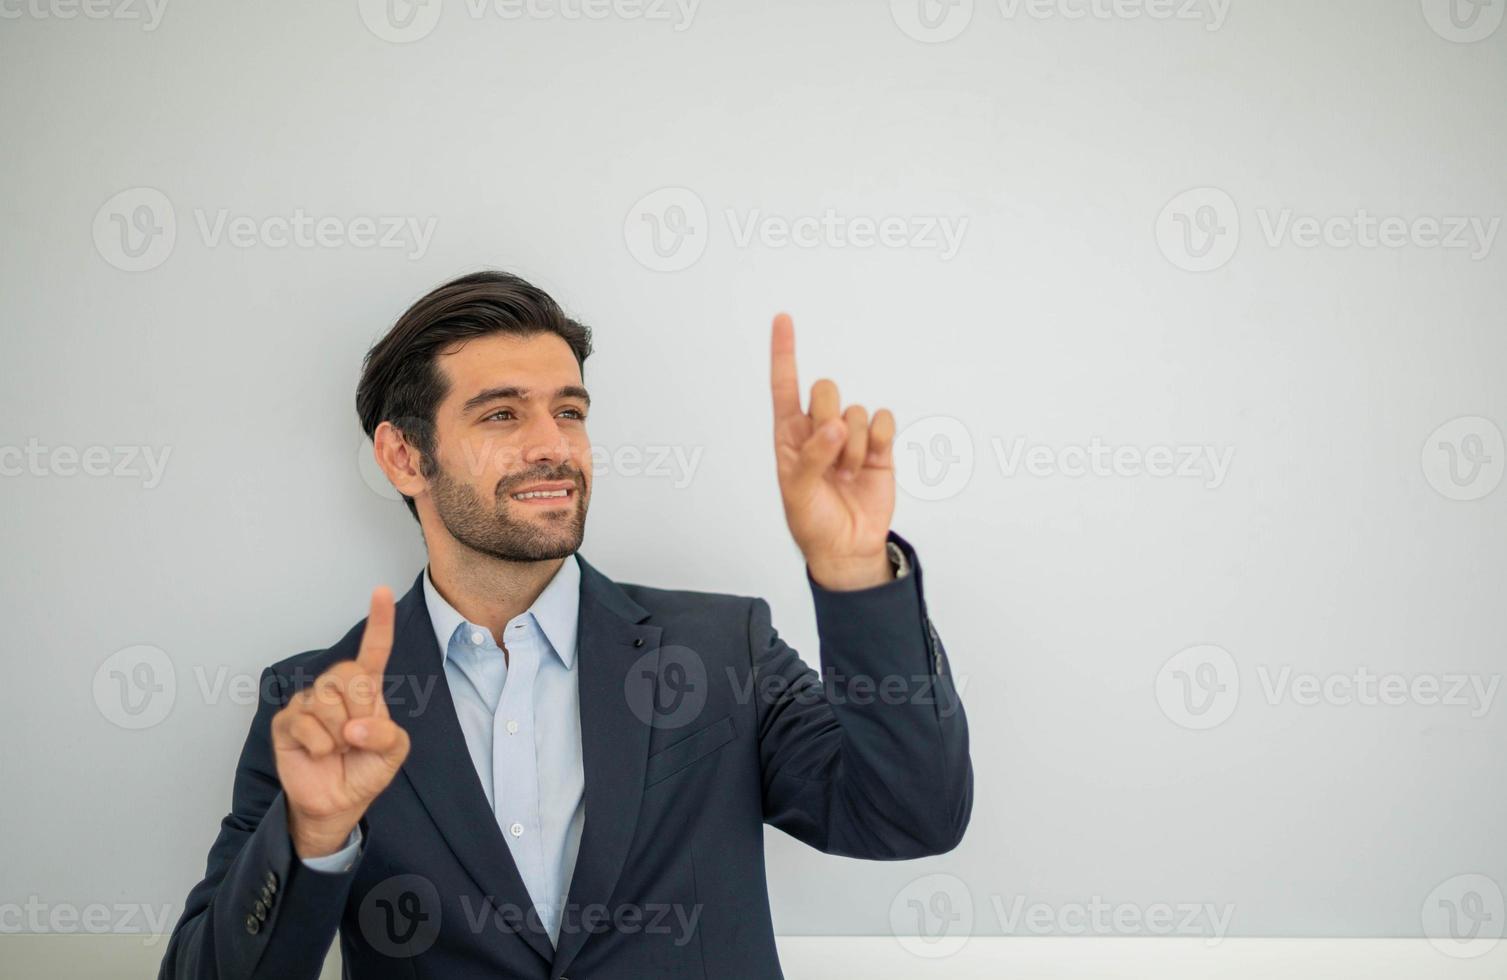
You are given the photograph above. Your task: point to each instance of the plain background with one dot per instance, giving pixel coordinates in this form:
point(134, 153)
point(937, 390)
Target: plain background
point(1066, 318)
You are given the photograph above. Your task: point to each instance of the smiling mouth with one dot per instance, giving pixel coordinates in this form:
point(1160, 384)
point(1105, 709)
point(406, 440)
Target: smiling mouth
point(544, 498)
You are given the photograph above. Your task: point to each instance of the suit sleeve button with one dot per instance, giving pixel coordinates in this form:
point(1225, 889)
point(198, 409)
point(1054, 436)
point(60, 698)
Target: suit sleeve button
point(252, 925)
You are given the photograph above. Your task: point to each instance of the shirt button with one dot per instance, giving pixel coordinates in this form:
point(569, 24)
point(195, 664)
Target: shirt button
point(512, 728)
point(516, 830)
point(476, 637)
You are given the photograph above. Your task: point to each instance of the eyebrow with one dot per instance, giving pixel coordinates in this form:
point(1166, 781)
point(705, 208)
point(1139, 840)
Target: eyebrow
point(513, 391)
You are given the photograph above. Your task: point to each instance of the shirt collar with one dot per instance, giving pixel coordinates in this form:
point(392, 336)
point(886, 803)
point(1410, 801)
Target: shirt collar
point(554, 612)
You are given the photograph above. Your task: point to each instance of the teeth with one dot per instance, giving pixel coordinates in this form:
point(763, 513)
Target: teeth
point(540, 493)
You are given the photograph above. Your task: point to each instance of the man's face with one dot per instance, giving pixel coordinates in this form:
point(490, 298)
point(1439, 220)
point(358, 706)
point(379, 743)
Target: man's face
point(514, 420)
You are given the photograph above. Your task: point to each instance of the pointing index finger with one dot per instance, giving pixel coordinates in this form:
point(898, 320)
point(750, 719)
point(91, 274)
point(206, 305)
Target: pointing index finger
point(782, 376)
point(376, 640)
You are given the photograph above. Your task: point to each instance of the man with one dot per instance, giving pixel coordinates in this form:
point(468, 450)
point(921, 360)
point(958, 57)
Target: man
point(525, 769)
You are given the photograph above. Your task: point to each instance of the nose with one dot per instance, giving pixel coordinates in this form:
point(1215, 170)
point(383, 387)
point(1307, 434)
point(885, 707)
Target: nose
point(545, 441)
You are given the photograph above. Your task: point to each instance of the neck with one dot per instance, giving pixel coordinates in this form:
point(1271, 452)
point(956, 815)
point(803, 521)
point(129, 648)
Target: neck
point(486, 590)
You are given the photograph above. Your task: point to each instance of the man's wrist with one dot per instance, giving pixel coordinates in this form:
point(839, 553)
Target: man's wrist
point(340, 861)
point(315, 839)
point(851, 574)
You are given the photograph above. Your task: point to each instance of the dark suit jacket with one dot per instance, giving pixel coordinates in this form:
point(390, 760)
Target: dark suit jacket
point(698, 725)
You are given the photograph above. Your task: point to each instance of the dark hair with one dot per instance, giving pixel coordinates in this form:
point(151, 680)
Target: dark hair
point(400, 382)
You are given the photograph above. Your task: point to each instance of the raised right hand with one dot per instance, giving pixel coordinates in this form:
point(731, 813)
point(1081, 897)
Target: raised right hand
point(336, 745)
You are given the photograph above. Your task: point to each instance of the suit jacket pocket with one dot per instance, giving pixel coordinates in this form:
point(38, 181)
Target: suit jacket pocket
point(700, 743)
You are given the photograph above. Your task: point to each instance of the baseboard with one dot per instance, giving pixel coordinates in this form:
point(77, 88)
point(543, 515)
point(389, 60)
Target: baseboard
point(107, 957)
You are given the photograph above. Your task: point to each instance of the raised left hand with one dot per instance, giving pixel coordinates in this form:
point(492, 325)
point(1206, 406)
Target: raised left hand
point(836, 473)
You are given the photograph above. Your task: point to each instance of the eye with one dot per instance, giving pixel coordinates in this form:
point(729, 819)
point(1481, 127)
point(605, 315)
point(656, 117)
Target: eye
point(497, 413)
point(578, 413)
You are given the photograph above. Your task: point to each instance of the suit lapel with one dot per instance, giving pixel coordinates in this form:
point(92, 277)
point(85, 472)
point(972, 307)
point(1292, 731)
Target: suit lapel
point(617, 659)
point(440, 770)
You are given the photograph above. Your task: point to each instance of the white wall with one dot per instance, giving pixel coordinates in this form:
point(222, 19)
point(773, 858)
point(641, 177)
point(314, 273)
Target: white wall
point(1071, 317)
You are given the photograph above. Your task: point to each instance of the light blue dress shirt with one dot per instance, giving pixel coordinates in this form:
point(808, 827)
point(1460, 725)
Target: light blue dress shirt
point(522, 723)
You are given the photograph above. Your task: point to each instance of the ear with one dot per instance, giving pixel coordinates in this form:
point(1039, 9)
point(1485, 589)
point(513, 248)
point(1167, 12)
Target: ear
point(399, 460)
